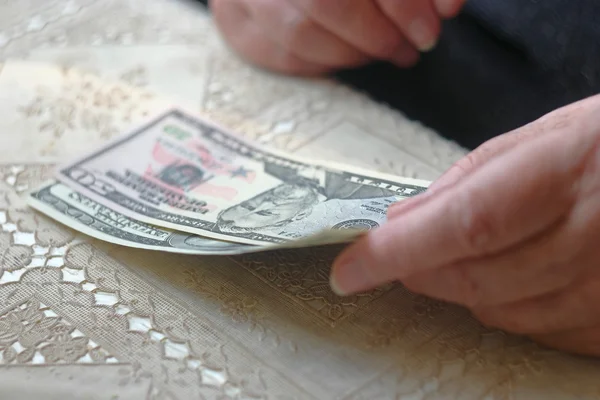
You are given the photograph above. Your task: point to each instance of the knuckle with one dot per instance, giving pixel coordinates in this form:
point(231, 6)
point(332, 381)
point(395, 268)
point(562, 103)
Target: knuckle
point(475, 227)
point(470, 294)
point(298, 25)
point(290, 25)
point(484, 152)
point(468, 162)
point(588, 184)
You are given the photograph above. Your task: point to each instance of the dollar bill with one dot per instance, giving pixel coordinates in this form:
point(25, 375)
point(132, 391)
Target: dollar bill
point(85, 215)
point(181, 172)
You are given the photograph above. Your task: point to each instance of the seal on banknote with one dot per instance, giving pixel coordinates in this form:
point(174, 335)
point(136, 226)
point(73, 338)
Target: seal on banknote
point(362, 224)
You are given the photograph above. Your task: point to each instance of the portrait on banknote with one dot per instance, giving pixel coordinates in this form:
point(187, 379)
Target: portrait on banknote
point(294, 199)
point(183, 173)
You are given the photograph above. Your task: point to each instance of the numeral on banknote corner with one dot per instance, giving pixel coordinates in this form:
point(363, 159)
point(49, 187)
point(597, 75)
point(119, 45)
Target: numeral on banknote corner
point(66, 209)
point(89, 180)
point(80, 216)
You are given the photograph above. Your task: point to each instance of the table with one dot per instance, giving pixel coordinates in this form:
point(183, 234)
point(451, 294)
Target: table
point(80, 319)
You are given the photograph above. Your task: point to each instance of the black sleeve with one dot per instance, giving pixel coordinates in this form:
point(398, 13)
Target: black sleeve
point(203, 2)
point(496, 67)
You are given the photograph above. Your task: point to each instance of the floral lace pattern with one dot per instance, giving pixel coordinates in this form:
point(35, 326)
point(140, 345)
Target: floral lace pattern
point(74, 281)
point(252, 327)
point(171, 47)
point(86, 106)
point(85, 319)
point(306, 279)
point(33, 333)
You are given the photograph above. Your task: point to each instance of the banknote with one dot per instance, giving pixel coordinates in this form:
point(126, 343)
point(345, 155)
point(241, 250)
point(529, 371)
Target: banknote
point(83, 214)
point(182, 172)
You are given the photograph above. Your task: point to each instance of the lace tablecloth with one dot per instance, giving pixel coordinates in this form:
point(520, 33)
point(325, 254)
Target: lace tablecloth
point(81, 319)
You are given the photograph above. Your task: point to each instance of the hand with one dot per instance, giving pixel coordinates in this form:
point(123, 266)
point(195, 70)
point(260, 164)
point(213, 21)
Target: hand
point(512, 232)
point(310, 37)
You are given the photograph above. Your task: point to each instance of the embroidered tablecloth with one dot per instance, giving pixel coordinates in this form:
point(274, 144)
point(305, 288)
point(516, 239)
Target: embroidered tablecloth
point(80, 319)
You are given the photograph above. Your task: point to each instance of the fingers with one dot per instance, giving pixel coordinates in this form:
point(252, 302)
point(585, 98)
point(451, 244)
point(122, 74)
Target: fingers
point(254, 45)
point(311, 37)
point(469, 163)
point(574, 308)
point(488, 151)
point(507, 201)
point(299, 35)
point(544, 264)
point(417, 20)
point(359, 23)
point(540, 266)
point(564, 119)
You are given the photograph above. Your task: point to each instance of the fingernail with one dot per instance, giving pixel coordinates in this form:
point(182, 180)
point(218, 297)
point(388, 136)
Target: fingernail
point(349, 277)
point(445, 8)
point(422, 35)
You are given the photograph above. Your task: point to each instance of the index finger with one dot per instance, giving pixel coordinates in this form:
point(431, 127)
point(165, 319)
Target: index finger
point(510, 199)
point(358, 22)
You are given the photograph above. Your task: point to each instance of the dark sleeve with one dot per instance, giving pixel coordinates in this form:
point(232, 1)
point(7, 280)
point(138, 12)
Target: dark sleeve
point(498, 66)
point(203, 2)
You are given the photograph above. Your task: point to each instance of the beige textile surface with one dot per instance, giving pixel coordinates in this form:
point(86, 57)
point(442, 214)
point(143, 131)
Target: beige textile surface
point(81, 319)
